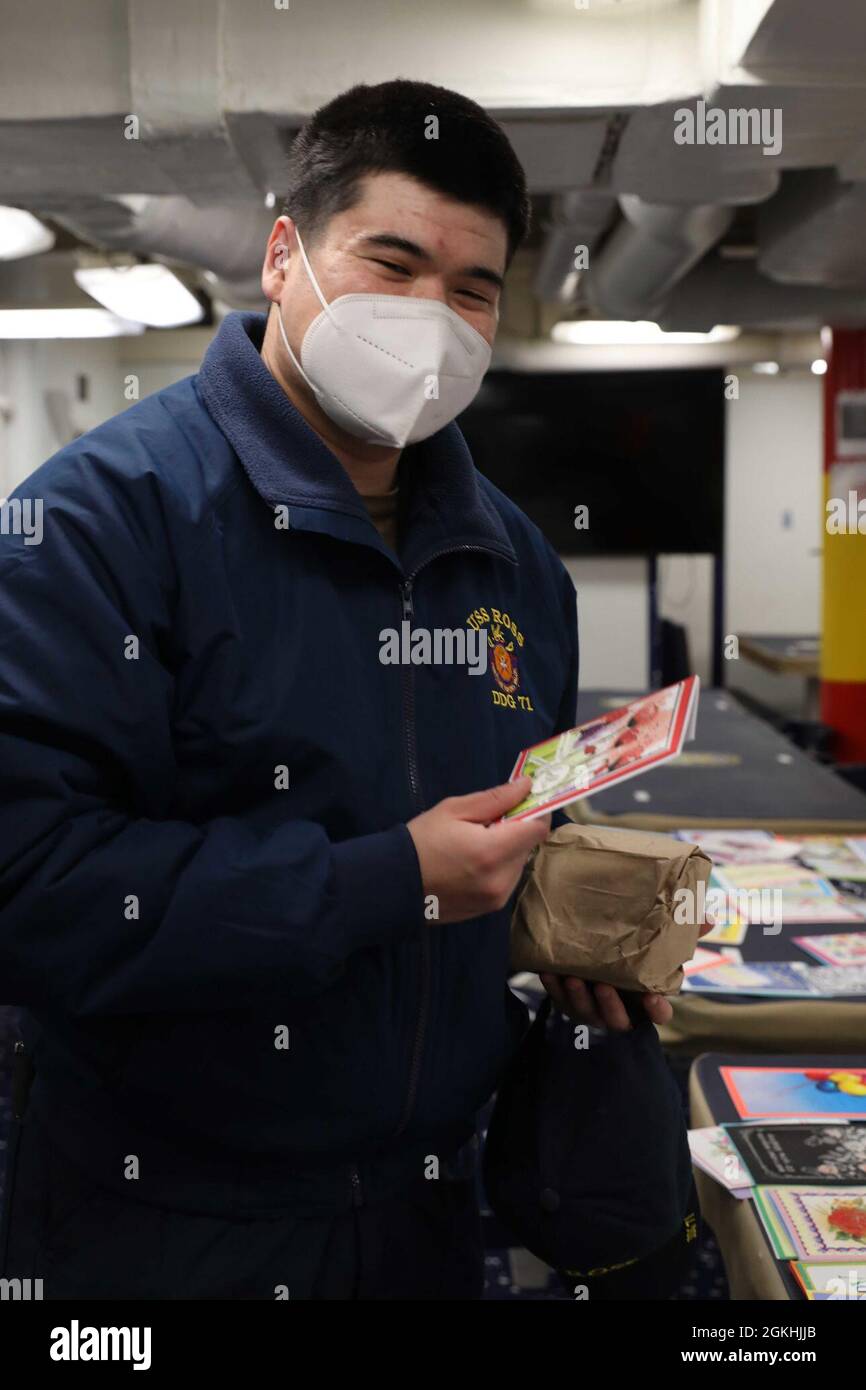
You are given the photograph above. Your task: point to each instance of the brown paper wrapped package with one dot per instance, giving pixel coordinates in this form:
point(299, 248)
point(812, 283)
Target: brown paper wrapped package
point(599, 903)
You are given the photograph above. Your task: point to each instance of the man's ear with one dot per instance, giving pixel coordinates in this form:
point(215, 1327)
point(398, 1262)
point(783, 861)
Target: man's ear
point(281, 246)
point(281, 242)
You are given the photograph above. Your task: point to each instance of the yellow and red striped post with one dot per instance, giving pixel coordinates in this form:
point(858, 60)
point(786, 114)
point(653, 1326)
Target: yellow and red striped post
point(843, 644)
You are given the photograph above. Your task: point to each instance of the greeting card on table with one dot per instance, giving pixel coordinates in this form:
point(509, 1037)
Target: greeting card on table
point(831, 1281)
point(620, 744)
point(782, 894)
point(765, 874)
point(814, 901)
point(741, 846)
point(730, 931)
point(855, 892)
point(766, 978)
point(712, 1151)
point(834, 981)
point(797, 1093)
point(837, 948)
point(813, 1223)
point(817, 1154)
point(833, 857)
point(748, 977)
point(706, 960)
point(790, 979)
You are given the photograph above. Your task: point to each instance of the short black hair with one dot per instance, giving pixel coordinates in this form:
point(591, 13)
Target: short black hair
point(385, 129)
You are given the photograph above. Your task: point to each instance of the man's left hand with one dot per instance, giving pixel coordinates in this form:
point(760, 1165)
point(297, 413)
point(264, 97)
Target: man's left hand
point(600, 1006)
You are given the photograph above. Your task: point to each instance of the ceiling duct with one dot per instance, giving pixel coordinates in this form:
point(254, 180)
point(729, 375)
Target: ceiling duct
point(736, 293)
point(648, 252)
point(814, 231)
point(227, 240)
point(578, 220)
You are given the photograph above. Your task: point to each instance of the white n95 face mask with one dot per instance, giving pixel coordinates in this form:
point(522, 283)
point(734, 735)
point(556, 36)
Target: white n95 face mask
point(389, 368)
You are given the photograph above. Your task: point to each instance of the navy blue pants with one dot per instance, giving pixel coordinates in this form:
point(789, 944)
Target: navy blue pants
point(85, 1241)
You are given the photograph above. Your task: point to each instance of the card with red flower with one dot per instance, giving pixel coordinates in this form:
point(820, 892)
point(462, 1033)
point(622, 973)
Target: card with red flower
point(814, 1223)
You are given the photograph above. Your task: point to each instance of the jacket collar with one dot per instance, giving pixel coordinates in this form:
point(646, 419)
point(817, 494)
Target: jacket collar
point(287, 463)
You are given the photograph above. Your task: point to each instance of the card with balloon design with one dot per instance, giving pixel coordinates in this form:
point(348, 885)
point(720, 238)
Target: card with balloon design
point(796, 1092)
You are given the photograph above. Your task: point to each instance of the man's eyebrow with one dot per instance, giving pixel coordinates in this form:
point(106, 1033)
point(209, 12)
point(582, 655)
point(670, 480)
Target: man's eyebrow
point(388, 241)
point(483, 272)
point(396, 243)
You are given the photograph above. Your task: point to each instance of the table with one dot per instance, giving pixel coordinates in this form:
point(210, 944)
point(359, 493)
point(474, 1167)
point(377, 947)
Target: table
point(781, 1024)
point(752, 1269)
point(795, 656)
point(789, 656)
point(741, 772)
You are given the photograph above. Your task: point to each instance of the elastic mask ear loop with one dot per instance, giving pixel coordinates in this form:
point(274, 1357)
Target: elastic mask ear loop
point(313, 281)
point(322, 300)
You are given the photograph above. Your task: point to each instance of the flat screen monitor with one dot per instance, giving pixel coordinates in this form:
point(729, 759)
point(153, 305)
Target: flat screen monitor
point(642, 451)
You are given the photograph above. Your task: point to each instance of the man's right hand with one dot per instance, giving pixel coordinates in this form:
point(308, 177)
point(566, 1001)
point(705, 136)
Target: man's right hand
point(469, 859)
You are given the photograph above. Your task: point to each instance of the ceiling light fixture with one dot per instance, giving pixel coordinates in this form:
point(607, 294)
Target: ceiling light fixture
point(148, 294)
point(22, 234)
point(624, 333)
point(605, 9)
point(64, 323)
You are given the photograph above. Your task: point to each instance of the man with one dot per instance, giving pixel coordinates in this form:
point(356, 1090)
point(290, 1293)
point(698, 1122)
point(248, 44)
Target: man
point(254, 884)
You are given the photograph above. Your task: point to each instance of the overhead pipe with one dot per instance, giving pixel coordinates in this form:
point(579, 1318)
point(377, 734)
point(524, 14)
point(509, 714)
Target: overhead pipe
point(578, 219)
point(649, 251)
point(226, 239)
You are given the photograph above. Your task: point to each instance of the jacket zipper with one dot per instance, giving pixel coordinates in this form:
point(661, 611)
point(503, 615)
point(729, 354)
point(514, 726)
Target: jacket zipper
point(409, 703)
point(417, 802)
point(357, 1192)
point(407, 613)
point(415, 793)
